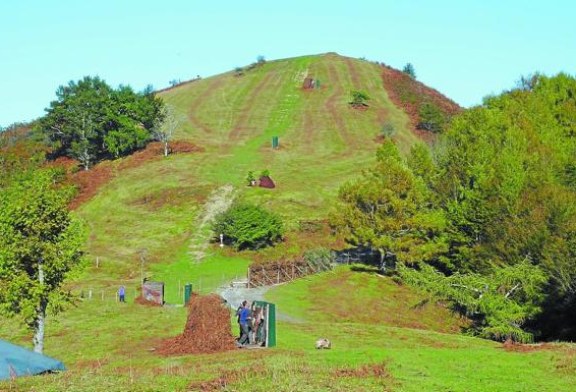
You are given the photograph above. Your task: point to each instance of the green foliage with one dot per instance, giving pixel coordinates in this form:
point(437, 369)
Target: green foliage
point(358, 98)
point(388, 130)
point(502, 181)
point(250, 178)
point(409, 70)
point(90, 121)
point(500, 302)
point(422, 164)
point(265, 173)
point(36, 232)
point(165, 125)
point(388, 209)
point(18, 155)
point(247, 226)
point(431, 118)
point(497, 189)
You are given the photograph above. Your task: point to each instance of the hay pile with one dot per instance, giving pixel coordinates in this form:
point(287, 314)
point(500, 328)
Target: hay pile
point(207, 329)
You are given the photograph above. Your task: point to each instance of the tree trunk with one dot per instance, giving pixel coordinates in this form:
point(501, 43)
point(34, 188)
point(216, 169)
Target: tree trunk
point(166, 148)
point(382, 260)
point(39, 328)
point(40, 315)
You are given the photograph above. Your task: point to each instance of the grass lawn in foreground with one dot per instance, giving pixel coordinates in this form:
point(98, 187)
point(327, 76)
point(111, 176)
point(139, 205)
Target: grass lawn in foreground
point(108, 346)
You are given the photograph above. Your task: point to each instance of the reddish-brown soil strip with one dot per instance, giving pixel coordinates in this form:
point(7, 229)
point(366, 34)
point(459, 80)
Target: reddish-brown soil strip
point(409, 95)
point(353, 72)
point(243, 120)
point(330, 105)
point(202, 98)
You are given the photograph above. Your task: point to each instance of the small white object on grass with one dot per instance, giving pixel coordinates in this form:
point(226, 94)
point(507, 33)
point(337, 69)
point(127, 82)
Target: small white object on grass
point(323, 343)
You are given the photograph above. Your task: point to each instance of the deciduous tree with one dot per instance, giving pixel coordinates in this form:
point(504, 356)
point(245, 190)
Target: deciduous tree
point(39, 245)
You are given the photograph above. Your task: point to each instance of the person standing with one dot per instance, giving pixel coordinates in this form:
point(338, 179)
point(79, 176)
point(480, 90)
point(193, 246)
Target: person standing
point(244, 321)
point(122, 294)
point(238, 311)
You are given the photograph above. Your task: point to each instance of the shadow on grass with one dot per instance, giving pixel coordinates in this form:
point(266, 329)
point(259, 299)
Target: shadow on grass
point(365, 268)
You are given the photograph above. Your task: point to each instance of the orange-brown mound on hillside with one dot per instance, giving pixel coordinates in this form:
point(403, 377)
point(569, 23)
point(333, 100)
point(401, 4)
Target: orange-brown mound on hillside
point(207, 330)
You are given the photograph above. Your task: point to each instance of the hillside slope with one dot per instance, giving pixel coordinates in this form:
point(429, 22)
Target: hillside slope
point(324, 142)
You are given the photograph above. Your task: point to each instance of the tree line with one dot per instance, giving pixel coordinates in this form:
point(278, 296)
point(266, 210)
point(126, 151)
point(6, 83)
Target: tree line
point(485, 219)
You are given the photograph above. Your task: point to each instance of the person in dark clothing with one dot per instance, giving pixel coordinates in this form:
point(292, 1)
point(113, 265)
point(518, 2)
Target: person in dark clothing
point(122, 294)
point(238, 319)
point(244, 320)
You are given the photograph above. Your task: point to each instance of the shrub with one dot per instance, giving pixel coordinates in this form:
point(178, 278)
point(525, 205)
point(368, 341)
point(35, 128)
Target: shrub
point(388, 130)
point(250, 177)
point(409, 70)
point(358, 98)
point(247, 226)
point(431, 118)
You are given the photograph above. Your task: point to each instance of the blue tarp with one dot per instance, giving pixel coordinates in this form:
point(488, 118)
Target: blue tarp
point(18, 361)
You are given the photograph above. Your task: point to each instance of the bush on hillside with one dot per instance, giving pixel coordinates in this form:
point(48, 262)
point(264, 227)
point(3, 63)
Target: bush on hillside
point(358, 98)
point(388, 130)
point(431, 118)
point(409, 70)
point(247, 226)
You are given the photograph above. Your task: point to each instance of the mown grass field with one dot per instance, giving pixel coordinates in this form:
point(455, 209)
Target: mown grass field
point(109, 347)
point(144, 222)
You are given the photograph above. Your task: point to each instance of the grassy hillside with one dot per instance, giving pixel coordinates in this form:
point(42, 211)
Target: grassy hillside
point(322, 140)
point(149, 220)
point(152, 209)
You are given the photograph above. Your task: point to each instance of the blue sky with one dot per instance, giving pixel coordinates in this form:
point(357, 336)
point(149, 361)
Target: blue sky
point(465, 49)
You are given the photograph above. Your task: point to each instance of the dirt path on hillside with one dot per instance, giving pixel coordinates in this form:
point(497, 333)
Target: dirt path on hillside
point(219, 201)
